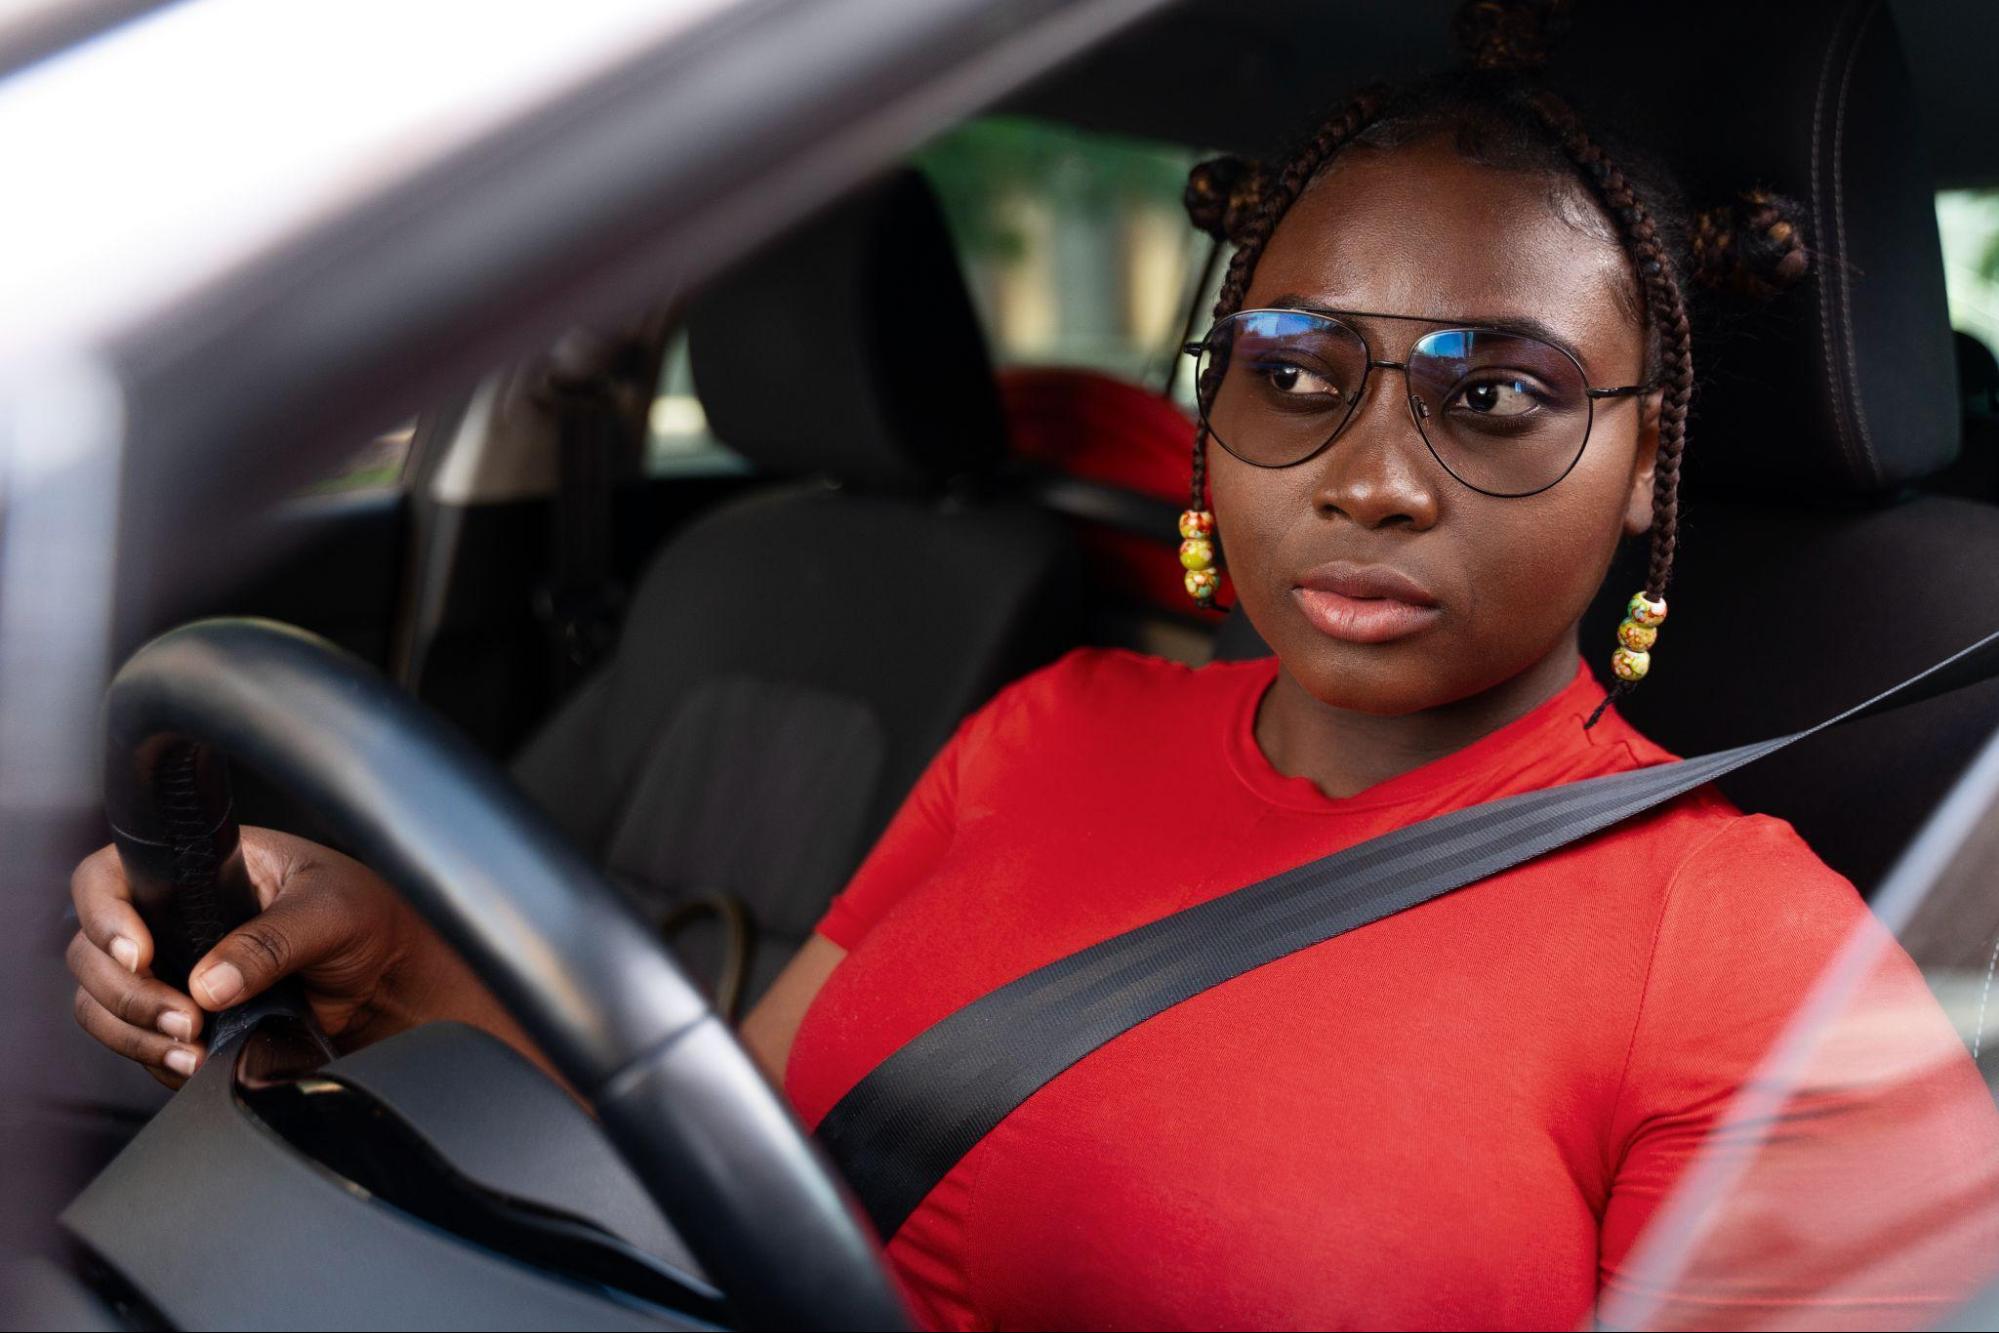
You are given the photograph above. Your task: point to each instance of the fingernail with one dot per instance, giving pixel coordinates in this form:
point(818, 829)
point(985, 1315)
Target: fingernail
point(176, 1025)
point(223, 983)
point(126, 952)
point(181, 1061)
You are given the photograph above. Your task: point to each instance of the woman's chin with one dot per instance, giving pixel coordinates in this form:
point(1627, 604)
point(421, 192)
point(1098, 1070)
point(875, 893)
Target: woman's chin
point(1385, 680)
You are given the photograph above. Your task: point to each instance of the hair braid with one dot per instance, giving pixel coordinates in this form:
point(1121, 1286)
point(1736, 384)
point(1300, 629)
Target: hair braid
point(1665, 312)
point(1199, 493)
point(1273, 198)
point(1276, 200)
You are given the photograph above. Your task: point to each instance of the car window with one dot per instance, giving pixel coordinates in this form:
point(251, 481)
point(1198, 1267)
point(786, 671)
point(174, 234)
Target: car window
point(1968, 222)
point(678, 441)
point(1866, 1101)
point(1075, 245)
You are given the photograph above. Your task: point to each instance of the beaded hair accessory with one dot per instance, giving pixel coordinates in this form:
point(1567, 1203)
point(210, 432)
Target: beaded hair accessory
point(1197, 556)
point(1636, 634)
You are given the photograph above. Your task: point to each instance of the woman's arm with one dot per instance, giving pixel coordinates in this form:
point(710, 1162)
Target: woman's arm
point(906, 855)
point(773, 1022)
point(1852, 1182)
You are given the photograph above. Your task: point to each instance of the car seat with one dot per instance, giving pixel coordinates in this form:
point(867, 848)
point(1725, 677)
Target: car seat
point(1818, 564)
point(792, 660)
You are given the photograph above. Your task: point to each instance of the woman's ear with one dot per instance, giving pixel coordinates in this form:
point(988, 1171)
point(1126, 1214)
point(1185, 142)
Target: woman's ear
point(1638, 500)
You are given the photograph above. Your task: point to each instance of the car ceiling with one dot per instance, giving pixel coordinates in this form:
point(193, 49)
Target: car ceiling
point(1246, 77)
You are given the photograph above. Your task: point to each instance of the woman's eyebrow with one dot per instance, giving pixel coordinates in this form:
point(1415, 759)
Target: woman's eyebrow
point(1524, 324)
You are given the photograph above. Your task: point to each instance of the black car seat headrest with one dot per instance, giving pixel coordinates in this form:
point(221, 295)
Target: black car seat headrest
point(1842, 385)
point(850, 348)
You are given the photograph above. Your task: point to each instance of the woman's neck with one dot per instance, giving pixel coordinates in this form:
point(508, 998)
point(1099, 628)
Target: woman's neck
point(1345, 752)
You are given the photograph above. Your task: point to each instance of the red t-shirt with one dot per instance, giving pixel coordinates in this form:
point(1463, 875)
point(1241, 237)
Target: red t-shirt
point(1461, 1116)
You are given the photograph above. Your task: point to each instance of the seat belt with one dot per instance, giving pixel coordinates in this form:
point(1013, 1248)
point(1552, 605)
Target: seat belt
point(903, 1127)
point(588, 385)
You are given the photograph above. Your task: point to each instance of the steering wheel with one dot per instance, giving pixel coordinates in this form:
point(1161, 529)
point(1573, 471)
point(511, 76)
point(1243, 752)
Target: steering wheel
point(680, 1100)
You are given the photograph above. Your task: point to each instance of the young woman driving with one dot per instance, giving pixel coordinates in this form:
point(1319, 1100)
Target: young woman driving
point(1450, 372)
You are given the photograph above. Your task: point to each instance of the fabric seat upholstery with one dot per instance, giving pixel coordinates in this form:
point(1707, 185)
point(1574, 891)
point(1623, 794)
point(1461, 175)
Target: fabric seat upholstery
point(1817, 564)
point(791, 661)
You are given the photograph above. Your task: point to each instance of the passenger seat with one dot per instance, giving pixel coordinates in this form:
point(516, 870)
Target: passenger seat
point(792, 660)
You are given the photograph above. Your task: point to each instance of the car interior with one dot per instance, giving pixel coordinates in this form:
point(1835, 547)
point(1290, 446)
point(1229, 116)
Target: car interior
point(1826, 486)
point(894, 523)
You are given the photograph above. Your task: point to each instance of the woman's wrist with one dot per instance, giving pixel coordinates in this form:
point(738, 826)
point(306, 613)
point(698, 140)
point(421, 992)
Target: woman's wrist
point(432, 984)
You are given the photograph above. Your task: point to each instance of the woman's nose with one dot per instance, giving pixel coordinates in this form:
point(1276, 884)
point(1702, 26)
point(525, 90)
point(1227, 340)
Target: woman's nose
point(1379, 473)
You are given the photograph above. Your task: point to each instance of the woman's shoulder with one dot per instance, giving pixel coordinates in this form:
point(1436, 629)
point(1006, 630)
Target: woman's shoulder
point(1750, 878)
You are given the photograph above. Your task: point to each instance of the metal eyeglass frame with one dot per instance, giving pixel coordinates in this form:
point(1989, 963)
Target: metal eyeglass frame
point(1341, 317)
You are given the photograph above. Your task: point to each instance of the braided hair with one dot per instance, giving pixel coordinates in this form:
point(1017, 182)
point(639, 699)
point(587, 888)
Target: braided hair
point(1497, 113)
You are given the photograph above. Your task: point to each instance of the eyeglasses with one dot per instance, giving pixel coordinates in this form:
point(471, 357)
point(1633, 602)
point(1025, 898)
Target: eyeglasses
point(1505, 413)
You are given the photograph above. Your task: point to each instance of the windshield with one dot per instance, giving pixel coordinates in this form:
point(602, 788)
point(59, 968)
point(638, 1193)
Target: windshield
point(149, 205)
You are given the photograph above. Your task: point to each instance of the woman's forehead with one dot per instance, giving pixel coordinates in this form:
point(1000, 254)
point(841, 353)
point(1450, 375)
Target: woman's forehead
point(1421, 231)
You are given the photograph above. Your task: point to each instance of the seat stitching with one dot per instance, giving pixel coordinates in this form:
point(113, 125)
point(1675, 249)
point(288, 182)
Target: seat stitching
point(1824, 286)
point(1839, 219)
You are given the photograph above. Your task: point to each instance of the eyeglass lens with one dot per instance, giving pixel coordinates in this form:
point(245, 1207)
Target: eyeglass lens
point(1505, 413)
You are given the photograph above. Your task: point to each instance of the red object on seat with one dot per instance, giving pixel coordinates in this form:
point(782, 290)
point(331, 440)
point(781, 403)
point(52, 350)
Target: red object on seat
point(1089, 425)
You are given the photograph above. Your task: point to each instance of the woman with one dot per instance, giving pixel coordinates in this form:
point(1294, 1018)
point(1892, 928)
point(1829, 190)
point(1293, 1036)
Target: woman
point(1450, 372)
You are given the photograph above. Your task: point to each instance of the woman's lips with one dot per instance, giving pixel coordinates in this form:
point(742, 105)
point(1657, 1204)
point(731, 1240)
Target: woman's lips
point(1364, 603)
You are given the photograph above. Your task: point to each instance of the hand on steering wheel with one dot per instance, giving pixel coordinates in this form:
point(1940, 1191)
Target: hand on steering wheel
point(369, 966)
point(682, 1102)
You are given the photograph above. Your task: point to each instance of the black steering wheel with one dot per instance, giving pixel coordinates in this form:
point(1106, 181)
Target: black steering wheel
point(694, 1120)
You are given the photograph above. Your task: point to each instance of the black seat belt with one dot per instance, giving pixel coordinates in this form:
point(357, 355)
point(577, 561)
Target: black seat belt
point(596, 388)
point(903, 1127)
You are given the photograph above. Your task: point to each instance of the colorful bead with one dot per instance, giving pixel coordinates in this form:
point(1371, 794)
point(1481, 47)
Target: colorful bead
point(1646, 610)
point(1197, 555)
point(1630, 664)
point(1636, 635)
point(1638, 638)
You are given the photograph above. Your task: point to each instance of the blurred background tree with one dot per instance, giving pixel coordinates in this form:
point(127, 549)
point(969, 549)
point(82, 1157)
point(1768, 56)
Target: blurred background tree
point(1091, 175)
point(1968, 222)
point(1075, 244)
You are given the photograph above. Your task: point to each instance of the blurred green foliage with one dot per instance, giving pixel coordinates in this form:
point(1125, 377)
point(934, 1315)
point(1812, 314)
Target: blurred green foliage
point(1080, 173)
point(1968, 226)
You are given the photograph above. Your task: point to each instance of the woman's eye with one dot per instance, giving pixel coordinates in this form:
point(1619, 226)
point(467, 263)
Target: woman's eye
point(1293, 381)
point(1497, 398)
